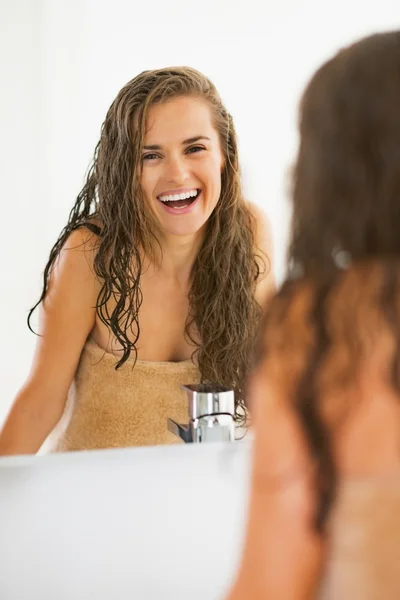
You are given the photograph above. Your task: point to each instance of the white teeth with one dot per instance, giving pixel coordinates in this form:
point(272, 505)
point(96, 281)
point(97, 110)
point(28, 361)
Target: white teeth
point(182, 196)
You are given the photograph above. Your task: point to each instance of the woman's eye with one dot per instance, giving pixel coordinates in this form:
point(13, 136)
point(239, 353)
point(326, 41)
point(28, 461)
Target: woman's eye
point(195, 149)
point(148, 157)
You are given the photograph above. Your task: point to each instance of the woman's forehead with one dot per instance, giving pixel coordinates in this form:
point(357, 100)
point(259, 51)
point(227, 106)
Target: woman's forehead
point(178, 120)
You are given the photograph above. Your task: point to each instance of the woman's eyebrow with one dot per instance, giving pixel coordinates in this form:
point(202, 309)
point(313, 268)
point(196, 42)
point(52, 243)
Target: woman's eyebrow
point(191, 140)
point(196, 138)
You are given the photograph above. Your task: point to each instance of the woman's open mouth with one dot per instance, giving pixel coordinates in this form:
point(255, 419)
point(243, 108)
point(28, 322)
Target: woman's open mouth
point(179, 203)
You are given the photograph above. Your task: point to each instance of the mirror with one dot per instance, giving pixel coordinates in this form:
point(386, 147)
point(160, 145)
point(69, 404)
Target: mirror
point(67, 61)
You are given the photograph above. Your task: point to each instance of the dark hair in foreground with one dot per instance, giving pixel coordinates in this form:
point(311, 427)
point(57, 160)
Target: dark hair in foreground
point(341, 298)
point(222, 305)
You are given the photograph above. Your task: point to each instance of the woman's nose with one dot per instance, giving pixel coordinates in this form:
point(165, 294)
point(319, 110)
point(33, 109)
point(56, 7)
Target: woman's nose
point(176, 170)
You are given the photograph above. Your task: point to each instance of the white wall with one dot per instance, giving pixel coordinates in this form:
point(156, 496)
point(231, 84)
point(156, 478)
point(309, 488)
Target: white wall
point(63, 62)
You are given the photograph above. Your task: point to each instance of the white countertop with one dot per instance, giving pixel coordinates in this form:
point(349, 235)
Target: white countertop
point(141, 523)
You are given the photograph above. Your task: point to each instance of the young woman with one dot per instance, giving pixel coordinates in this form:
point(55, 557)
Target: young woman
point(156, 280)
point(325, 394)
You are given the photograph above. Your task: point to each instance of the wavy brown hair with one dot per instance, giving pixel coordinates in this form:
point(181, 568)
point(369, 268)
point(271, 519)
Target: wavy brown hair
point(223, 309)
point(341, 296)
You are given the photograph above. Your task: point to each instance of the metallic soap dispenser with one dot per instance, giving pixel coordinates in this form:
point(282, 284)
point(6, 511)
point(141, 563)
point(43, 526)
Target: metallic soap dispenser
point(211, 410)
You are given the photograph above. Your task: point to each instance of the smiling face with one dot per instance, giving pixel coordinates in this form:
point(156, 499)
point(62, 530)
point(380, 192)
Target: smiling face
point(182, 163)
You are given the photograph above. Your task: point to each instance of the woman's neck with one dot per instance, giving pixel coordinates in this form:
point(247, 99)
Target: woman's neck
point(175, 257)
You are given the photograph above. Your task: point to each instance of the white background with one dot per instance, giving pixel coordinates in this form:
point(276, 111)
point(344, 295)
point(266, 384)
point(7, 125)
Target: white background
point(64, 61)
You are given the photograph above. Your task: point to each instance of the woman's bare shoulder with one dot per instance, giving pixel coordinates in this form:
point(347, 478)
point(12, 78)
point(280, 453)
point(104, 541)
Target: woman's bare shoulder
point(262, 228)
point(264, 248)
point(74, 264)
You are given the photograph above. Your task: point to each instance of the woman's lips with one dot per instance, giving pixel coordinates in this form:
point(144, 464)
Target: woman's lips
point(176, 210)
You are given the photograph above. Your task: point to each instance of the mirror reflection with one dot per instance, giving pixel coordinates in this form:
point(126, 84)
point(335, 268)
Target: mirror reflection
point(156, 281)
point(139, 280)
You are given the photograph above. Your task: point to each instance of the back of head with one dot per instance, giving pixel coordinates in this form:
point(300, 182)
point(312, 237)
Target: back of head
point(346, 189)
point(341, 297)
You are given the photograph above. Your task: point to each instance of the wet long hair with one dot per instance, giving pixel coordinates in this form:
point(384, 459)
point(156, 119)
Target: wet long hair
point(341, 296)
point(223, 310)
